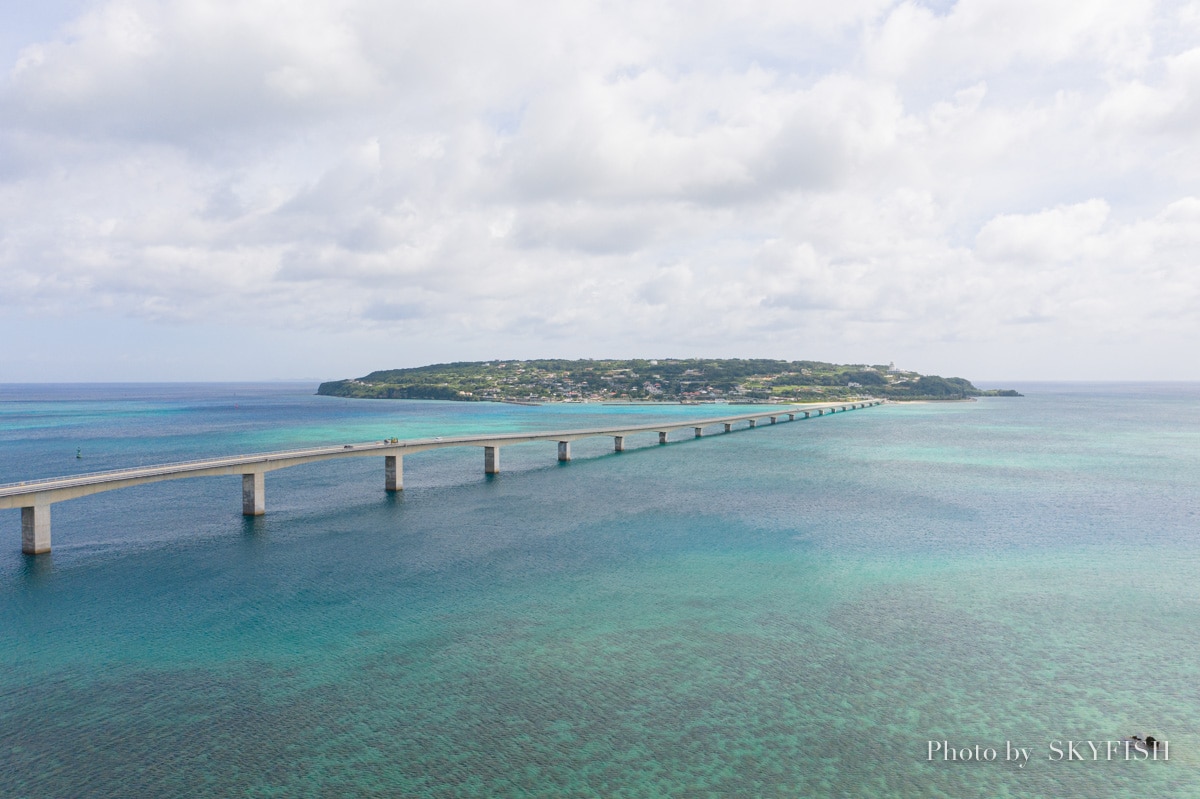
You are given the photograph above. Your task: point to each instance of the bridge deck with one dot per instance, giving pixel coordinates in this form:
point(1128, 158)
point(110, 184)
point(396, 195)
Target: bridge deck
point(38, 495)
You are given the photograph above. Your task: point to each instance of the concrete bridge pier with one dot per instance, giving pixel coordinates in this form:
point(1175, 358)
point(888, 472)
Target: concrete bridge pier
point(35, 529)
point(393, 472)
point(254, 500)
point(36, 497)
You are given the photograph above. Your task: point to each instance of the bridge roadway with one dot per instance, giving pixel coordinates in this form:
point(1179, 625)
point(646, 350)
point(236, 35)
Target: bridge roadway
point(34, 497)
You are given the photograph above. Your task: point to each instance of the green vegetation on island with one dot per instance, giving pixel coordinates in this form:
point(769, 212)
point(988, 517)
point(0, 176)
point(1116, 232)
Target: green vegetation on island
point(663, 380)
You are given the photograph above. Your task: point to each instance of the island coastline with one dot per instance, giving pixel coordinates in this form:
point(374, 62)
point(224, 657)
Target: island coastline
point(689, 381)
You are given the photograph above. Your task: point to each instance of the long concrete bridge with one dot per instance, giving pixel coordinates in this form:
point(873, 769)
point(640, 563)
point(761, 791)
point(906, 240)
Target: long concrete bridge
point(35, 497)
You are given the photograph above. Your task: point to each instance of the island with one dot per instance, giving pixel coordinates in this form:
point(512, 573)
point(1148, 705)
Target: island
point(687, 380)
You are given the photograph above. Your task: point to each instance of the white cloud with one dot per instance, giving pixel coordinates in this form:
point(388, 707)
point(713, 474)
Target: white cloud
point(1047, 238)
point(979, 37)
point(868, 181)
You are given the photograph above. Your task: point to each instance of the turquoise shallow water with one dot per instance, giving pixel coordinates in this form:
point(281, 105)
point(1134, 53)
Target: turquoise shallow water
point(791, 611)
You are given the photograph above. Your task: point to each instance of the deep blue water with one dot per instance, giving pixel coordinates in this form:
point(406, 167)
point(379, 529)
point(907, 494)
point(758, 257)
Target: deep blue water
point(791, 611)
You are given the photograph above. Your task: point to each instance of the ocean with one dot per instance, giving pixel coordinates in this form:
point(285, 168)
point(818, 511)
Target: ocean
point(819, 608)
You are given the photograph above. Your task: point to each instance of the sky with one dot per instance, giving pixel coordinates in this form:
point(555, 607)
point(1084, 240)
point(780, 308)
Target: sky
point(266, 189)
